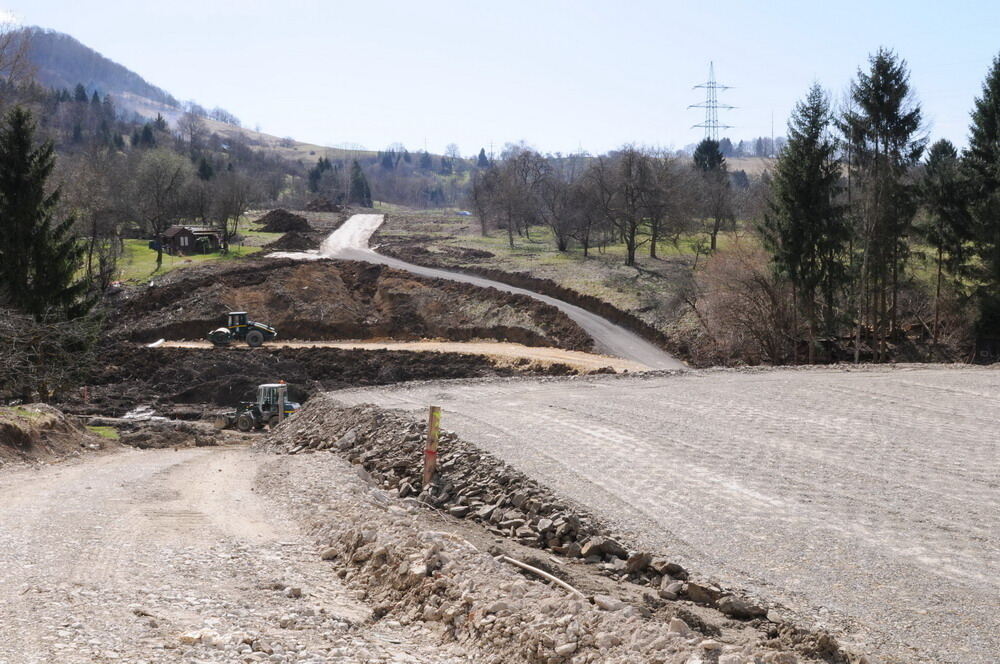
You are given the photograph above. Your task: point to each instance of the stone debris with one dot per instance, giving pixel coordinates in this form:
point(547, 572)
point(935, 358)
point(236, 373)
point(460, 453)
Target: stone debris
point(429, 577)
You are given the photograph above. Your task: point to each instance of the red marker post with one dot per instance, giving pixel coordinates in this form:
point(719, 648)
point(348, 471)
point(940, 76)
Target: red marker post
point(431, 450)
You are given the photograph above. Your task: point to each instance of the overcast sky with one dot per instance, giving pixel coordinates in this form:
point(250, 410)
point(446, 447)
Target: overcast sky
point(559, 75)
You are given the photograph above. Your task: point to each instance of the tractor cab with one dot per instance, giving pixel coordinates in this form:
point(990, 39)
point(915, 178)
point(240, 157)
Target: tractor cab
point(237, 319)
point(270, 408)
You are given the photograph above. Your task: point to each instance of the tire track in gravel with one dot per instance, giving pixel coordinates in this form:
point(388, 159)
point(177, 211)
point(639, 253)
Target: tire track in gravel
point(865, 500)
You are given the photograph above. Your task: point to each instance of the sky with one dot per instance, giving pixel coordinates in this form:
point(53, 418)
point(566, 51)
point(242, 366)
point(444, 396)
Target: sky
point(558, 75)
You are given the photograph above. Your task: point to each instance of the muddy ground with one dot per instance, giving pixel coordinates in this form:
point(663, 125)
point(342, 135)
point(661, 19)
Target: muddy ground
point(195, 383)
point(338, 300)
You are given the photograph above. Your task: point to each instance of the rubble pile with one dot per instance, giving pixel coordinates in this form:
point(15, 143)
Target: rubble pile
point(473, 485)
point(283, 221)
point(294, 241)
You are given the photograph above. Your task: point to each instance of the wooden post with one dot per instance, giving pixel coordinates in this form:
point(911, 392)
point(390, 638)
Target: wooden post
point(431, 451)
point(281, 404)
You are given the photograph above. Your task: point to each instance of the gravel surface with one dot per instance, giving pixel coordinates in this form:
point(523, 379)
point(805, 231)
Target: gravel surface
point(350, 241)
point(176, 556)
point(867, 501)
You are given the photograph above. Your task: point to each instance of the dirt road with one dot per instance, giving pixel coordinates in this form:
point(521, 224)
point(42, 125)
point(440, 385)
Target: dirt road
point(350, 241)
point(495, 349)
point(867, 501)
point(131, 556)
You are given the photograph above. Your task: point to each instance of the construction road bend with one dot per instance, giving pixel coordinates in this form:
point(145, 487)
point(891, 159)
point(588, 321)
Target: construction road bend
point(866, 500)
point(351, 242)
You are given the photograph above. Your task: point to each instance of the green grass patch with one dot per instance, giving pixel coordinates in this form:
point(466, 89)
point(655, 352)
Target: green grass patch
point(23, 413)
point(139, 261)
point(104, 432)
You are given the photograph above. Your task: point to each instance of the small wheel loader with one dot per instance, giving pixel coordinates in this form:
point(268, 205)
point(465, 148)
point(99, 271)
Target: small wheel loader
point(270, 408)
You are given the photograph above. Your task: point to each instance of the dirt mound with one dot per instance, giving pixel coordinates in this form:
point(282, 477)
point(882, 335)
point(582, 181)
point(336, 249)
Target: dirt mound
point(294, 241)
point(156, 432)
point(38, 431)
point(323, 205)
point(283, 221)
point(193, 383)
point(339, 300)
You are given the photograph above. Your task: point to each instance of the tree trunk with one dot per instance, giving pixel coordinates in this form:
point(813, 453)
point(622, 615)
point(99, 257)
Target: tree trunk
point(937, 298)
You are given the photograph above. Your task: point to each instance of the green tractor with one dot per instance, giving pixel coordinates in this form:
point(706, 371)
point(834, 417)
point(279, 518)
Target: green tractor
point(239, 328)
point(271, 407)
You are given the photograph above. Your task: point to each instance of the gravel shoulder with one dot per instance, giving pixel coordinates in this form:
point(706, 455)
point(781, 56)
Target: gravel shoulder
point(866, 501)
point(175, 556)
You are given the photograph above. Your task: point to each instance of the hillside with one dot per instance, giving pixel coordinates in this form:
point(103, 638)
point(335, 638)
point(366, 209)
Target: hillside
point(61, 61)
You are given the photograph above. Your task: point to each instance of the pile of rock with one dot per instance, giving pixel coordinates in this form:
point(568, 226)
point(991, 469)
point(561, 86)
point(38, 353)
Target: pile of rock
point(472, 484)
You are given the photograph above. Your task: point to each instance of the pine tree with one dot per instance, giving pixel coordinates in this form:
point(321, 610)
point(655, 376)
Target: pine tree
point(147, 139)
point(943, 193)
point(483, 161)
point(882, 130)
point(39, 258)
point(361, 194)
point(981, 163)
point(805, 230)
point(80, 93)
point(715, 186)
point(205, 170)
point(425, 162)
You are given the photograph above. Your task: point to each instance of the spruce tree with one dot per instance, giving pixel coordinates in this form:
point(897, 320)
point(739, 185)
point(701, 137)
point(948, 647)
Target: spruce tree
point(715, 196)
point(882, 131)
point(39, 258)
point(483, 161)
point(943, 195)
point(80, 93)
point(805, 229)
point(981, 163)
point(361, 194)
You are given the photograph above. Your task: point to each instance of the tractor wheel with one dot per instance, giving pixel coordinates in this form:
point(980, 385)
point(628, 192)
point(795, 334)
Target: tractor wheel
point(245, 422)
point(274, 421)
point(254, 338)
point(221, 422)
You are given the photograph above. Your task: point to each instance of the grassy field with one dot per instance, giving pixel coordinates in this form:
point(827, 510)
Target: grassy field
point(104, 432)
point(139, 262)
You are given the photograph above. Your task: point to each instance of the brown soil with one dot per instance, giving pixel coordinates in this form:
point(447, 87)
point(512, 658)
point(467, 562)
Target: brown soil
point(194, 383)
point(339, 300)
point(294, 241)
point(37, 432)
point(283, 221)
point(322, 205)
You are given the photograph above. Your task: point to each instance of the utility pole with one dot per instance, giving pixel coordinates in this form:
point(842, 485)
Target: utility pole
point(711, 105)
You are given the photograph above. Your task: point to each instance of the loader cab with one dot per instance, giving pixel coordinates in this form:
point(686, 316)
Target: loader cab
point(271, 396)
point(237, 320)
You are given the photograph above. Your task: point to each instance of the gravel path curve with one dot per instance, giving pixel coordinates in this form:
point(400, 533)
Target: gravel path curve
point(867, 501)
point(350, 242)
point(173, 556)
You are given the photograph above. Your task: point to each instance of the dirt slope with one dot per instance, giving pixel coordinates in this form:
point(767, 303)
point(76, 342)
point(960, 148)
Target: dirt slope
point(339, 300)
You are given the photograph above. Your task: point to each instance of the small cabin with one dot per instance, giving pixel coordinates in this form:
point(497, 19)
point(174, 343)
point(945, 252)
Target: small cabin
point(187, 240)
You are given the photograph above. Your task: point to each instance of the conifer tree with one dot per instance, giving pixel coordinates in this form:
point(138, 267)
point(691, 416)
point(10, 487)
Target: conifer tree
point(805, 230)
point(361, 194)
point(943, 194)
point(882, 130)
point(39, 258)
point(483, 161)
point(981, 163)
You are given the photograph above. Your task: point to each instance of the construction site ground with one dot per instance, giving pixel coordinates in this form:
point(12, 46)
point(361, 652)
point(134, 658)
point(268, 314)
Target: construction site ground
point(866, 501)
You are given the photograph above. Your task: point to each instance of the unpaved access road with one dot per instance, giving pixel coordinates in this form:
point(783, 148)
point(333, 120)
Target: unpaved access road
point(864, 500)
point(116, 558)
point(351, 242)
point(499, 350)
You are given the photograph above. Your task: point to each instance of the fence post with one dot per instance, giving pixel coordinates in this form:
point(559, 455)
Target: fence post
point(431, 451)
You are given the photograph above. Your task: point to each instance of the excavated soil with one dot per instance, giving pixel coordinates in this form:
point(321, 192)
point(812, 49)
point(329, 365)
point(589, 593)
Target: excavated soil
point(283, 221)
point(295, 241)
point(329, 299)
point(38, 432)
point(194, 383)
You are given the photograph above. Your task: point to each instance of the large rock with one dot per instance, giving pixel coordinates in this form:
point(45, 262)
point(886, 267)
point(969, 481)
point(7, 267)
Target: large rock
point(738, 607)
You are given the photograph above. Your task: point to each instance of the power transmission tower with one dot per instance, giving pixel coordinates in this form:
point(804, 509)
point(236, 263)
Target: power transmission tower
point(711, 105)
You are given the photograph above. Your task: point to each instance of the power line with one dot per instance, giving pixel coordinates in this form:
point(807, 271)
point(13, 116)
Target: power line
point(711, 105)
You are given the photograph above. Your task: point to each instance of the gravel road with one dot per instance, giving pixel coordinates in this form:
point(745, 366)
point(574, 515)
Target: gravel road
point(350, 242)
point(126, 556)
point(867, 501)
point(500, 350)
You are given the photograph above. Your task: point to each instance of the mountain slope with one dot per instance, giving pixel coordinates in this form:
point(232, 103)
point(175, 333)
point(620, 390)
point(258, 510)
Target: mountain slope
point(60, 61)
